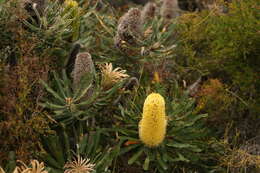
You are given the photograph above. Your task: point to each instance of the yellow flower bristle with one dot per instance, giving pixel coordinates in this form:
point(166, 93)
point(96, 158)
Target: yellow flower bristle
point(152, 127)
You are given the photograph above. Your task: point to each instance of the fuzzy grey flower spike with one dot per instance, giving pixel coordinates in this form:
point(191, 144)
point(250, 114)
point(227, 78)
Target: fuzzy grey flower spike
point(170, 9)
point(83, 65)
point(130, 26)
point(148, 11)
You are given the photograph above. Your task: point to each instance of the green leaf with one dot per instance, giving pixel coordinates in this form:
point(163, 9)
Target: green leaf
point(58, 81)
point(55, 94)
point(50, 161)
point(90, 143)
point(181, 158)
point(181, 145)
point(51, 105)
point(67, 84)
point(161, 162)
point(135, 156)
point(129, 148)
point(84, 85)
point(66, 145)
point(90, 100)
point(83, 144)
point(184, 124)
point(96, 142)
point(146, 163)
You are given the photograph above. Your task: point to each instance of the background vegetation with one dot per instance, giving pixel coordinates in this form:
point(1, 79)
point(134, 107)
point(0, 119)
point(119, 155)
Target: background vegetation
point(74, 76)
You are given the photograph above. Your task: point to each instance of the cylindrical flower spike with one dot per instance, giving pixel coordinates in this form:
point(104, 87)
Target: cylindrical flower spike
point(152, 127)
point(148, 11)
point(83, 64)
point(129, 28)
point(170, 9)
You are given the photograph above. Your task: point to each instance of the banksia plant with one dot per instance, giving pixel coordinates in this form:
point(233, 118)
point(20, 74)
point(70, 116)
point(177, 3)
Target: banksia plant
point(111, 76)
point(170, 9)
point(83, 65)
point(79, 165)
point(152, 127)
point(70, 107)
point(130, 26)
point(148, 11)
point(147, 142)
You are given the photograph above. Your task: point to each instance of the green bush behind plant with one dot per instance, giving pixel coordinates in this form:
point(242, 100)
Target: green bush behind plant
point(226, 46)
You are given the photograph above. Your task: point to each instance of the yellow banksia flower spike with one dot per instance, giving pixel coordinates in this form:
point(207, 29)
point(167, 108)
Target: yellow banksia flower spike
point(152, 127)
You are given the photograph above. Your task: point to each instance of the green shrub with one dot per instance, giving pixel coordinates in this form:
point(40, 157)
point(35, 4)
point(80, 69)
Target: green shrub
point(225, 46)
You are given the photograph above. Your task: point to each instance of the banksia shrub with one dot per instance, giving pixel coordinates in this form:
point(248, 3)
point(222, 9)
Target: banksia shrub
point(83, 65)
point(170, 9)
point(152, 127)
point(148, 11)
point(129, 28)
